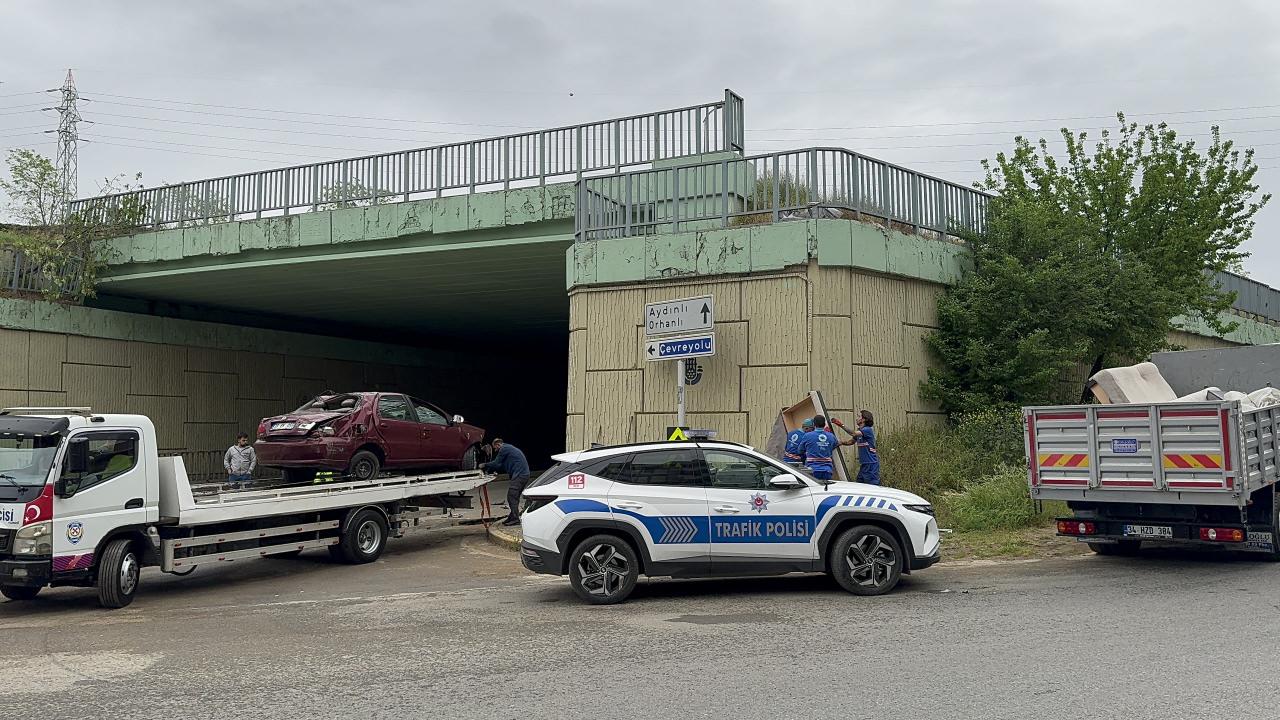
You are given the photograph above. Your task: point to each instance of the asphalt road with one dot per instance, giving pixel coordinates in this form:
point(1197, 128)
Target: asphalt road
point(447, 625)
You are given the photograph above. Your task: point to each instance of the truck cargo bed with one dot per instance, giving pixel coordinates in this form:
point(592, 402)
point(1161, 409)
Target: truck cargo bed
point(1202, 453)
point(180, 505)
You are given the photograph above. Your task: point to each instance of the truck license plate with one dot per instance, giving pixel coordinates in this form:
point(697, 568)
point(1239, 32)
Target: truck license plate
point(1151, 531)
point(283, 426)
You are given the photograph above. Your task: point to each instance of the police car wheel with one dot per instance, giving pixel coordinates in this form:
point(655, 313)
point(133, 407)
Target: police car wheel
point(604, 570)
point(866, 560)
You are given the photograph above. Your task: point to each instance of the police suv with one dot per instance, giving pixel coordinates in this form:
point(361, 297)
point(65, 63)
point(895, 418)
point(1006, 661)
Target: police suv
point(605, 516)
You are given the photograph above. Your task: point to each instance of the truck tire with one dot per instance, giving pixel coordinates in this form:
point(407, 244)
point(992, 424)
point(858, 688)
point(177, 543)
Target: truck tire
point(1119, 547)
point(19, 592)
point(866, 560)
point(118, 571)
point(365, 537)
point(603, 570)
point(364, 466)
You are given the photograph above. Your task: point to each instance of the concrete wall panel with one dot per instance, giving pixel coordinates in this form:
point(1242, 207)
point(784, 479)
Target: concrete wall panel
point(15, 357)
point(157, 369)
point(611, 399)
point(577, 371)
point(832, 291)
point(260, 375)
point(573, 434)
point(612, 341)
point(14, 398)
point(48, 352)
point(765, 391)
point(578, 302)
point(45, 398)
point(830, 366)
point(777, 310)
point(212, 397)
point(877, 320)
point(922, 302)
point(918, 361)
point(168, 413)
point(96, 386)
point(882, 391)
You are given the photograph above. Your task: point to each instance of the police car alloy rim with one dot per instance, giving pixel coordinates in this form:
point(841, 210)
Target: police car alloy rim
point(871, 561)
point(603, 570)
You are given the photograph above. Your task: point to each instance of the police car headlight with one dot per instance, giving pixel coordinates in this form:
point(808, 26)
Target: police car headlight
point(926, 509)
point(34, 539)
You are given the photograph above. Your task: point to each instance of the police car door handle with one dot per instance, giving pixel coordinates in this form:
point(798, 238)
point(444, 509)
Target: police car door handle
point(628, 504)
point(725, 509)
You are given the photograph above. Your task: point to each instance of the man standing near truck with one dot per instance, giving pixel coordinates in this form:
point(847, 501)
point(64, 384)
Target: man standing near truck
point(239, 462)
point(509, 460)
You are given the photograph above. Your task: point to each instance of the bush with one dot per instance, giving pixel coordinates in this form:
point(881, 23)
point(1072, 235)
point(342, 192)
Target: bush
point(997, 502)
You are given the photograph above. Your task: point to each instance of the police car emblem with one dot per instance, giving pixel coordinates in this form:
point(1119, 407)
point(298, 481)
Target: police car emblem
point(759, 502)
point(75, 532)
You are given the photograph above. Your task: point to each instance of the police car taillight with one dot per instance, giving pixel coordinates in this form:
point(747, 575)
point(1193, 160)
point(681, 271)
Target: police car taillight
point(1076, 527)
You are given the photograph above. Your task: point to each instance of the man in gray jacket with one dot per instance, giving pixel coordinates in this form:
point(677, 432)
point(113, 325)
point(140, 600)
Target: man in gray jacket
point(240, 462)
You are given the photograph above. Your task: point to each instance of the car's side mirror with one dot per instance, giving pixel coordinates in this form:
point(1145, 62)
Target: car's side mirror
point(66, 487)
point(457, 420)
point(786, 482)
point(77, 460)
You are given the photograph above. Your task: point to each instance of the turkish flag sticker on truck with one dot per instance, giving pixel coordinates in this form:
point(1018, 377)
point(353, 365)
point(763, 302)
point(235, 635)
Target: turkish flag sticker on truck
point(577, 481)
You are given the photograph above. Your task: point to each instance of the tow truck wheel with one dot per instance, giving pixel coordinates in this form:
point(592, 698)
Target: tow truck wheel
point(364, 538)
point(866, 560)
point(19, 592)
point(604, 570)
point(118, 572)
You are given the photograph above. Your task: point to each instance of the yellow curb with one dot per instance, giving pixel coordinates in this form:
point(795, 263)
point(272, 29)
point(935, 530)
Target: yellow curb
point(507, 537)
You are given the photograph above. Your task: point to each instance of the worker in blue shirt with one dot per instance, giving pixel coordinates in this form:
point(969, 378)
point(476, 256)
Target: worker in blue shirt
point(792, 454)
point(818, 446)
point(865, 438)
point(510, 460)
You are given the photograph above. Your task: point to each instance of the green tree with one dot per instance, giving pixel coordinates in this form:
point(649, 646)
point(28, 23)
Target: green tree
point(32, 187)
point(1087, 261)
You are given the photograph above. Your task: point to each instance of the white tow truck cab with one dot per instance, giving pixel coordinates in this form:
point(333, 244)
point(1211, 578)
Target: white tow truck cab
point(85, 500)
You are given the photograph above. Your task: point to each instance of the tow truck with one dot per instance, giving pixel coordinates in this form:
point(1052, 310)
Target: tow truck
point(86, 501)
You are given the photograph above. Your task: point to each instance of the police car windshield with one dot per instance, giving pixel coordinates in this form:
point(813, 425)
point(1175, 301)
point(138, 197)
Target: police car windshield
point(25, 460)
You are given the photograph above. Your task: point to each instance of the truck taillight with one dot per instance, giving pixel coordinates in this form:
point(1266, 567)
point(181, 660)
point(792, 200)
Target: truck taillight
point(1076, 527)
point(1222, 534)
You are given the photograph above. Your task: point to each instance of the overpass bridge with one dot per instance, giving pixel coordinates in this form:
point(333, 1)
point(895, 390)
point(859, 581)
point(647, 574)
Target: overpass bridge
point(505, 278)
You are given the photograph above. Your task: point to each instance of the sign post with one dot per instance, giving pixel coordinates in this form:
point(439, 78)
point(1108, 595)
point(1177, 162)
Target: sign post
point(692, 318)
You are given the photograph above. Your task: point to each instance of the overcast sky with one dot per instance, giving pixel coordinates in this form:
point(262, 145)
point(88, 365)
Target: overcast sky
point(273, 79)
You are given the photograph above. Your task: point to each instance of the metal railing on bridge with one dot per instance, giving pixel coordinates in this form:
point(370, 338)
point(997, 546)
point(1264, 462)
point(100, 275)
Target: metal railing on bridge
point(816, 182)
point(523, 159)
point(19, 274)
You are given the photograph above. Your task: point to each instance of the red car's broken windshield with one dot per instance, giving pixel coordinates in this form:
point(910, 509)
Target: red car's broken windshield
point(345, 402)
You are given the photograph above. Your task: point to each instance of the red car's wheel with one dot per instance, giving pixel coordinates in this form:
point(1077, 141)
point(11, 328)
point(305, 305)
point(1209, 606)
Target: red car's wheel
point(364, 466)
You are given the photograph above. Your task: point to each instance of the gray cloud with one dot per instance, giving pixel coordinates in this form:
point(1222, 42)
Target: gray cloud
point(480, 65)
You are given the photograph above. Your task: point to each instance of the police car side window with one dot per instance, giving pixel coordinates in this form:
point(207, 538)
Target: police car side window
point(610, 468)
point(677, 468)
point(734, 470)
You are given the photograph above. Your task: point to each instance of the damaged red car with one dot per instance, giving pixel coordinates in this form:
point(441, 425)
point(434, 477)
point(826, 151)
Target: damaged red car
point(363, 433)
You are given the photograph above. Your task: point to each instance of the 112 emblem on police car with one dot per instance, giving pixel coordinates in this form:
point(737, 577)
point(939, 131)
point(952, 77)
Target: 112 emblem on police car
point(75, 532)
point(759, 502)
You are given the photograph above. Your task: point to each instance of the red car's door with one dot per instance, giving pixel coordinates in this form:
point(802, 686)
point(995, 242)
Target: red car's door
point(442, 441)
point(400, 431)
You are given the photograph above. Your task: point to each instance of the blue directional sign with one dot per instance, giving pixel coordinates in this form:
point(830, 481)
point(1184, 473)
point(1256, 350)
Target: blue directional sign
point(679, 348)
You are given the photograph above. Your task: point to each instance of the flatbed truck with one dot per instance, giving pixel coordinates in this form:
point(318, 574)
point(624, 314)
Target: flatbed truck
point(86, 500)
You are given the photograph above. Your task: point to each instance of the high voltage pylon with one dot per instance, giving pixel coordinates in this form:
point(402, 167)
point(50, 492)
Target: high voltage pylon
point(68, 138)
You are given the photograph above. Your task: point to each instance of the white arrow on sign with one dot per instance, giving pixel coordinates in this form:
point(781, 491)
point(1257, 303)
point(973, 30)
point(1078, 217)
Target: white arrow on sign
point(680, 316)
point(680, 348)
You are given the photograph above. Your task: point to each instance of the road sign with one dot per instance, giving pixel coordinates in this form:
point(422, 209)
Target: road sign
point(680, 316)
point(680, 348)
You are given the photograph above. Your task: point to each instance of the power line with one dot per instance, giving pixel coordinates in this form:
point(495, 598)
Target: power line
point(288, 120)
point(228, 137)
point(29, 92)
point(169, 150)
point(275, 130)
point(215, 147)
point(305, 112)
